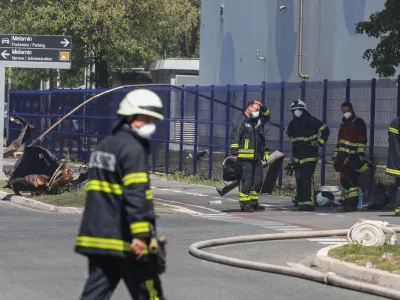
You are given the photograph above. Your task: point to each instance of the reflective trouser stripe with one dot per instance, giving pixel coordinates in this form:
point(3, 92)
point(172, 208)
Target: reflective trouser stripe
point(253, 195)
point(312, 196)
point(351, 193)
point(153, 295)
point(244, 197)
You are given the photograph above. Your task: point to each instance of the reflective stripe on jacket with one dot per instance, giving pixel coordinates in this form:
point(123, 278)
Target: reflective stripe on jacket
point(119, 204)
point(393, 158)
point(302, 131)
point(247, 139)
point(352, 137)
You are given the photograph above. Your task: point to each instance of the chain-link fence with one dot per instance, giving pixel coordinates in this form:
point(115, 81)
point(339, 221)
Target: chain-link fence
point(194, 137)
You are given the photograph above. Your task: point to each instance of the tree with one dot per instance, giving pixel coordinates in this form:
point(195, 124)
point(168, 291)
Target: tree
point(385, 25)
point(110, 34)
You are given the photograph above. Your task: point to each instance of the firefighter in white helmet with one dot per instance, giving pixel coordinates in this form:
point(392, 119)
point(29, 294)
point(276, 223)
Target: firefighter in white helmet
point(118, 222)
point(303, 130)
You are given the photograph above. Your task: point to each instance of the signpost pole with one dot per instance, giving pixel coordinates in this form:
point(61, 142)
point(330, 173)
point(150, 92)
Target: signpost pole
point(2, 96)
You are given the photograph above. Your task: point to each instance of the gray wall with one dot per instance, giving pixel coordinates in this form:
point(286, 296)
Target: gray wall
point(331, 49)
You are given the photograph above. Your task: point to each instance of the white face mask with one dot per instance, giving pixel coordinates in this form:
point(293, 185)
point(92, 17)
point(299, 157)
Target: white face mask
point(255, 114)
point(298, 113)
point(146, 131)
point(347, 115)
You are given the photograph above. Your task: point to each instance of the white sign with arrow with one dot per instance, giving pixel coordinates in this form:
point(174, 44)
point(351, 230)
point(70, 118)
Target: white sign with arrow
point(65, 42)
point(5, 54)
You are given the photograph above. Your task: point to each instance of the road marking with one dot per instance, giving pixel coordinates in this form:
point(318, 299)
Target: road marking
point(333, 243)
point(326, 240)
point(184, 204)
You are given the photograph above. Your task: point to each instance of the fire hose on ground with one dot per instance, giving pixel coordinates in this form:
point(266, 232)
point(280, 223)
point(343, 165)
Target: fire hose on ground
point(364, 232)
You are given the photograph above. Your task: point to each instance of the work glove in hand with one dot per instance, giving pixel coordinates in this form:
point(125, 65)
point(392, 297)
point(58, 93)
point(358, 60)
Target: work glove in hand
point(290, 168)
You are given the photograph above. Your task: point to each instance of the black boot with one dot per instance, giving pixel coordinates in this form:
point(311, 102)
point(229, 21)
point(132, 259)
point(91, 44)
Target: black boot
point(246, 207)
point(256, 206)
point(350, 205)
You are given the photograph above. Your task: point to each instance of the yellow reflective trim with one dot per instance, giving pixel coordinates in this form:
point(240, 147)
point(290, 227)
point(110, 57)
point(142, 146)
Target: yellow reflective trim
point(392, 171)
point(266, 113)
point(341, 149)
point(104, 186)
point(140, 227)
point(348, 143)
point(149, 195)
point(153, 294)
point(306, 203)
point(234, 145)
point(103, 243)
point(394, 130)
point(246, 150)
point(304, 139)
point(246, 144)
point(321, 141)
point(302, 161)
point(246, 155)
point(244, 197)
point(322, 127)
point(140, 177)
point(253, 195)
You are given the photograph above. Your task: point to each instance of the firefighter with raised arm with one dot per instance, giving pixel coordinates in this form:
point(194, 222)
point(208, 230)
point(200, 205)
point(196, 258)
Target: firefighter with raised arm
point(349, 156)
point(303, 131)
point(393, 159)
point(248, 147)
point(118, 228)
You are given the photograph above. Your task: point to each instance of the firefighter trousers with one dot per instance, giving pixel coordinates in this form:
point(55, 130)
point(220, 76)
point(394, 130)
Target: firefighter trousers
point(397, 199)
point(251, 181)
point(349, 182)
point(305, 183)
point(105, 272)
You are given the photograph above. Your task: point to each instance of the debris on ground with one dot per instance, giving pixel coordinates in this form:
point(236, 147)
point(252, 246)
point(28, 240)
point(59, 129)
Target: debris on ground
point(18, 146)
point(38, 170)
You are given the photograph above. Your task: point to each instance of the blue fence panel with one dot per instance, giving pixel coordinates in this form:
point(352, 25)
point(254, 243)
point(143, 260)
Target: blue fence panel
point(194, 136)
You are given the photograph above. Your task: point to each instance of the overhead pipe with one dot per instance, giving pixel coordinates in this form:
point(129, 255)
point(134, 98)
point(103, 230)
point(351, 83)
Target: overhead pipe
point(300, 50)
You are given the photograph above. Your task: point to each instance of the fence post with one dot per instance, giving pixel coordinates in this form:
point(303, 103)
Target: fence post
point(303, 91)
point(168, 120)
point(181, 129)
point(324, 120)
point(263, 90)
point(348, 88)
point(211, 135)
point(281, 128)
point(196, 127)
point(372, 135)
point(398, 95)
point(227, 118)
point(244, 96)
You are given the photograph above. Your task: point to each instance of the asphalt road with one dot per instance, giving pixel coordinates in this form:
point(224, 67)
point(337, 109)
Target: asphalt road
point(37, 260)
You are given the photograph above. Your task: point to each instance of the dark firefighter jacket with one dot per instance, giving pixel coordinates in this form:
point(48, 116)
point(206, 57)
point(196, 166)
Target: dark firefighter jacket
point(393, 160)
point(247, 136)
point(302, 131)
point(119, 204)
point(352, 137)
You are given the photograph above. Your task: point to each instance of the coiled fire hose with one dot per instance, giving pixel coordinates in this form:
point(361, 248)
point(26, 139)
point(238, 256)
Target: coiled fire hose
point(297, 270)
point(371, 233)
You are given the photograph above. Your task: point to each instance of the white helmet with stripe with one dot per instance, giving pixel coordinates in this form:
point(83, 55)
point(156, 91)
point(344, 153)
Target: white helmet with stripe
point(298, 104)
point(141, 102)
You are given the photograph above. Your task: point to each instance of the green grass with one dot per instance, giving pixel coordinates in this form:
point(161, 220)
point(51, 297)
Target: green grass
point(285, 191)
point(361, 255)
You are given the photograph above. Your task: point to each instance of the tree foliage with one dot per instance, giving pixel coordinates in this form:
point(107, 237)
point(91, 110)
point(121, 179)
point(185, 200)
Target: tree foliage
point(111, 34)
point(386, 23)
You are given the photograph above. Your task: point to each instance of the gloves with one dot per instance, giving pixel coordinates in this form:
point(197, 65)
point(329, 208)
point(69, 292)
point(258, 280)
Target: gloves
point(290, 168)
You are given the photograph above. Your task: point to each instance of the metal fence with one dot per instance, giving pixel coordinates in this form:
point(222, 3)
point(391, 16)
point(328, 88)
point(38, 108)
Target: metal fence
point(199, 120)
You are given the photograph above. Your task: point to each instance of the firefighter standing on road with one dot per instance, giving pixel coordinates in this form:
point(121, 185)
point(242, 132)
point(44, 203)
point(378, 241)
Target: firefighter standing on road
point(303, 131)
point(247, 145)
point(349, 155)
point(393, 159)
point(119, 218)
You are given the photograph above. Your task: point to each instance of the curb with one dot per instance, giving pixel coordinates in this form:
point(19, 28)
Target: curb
point(31, 203)
point(379, 277)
